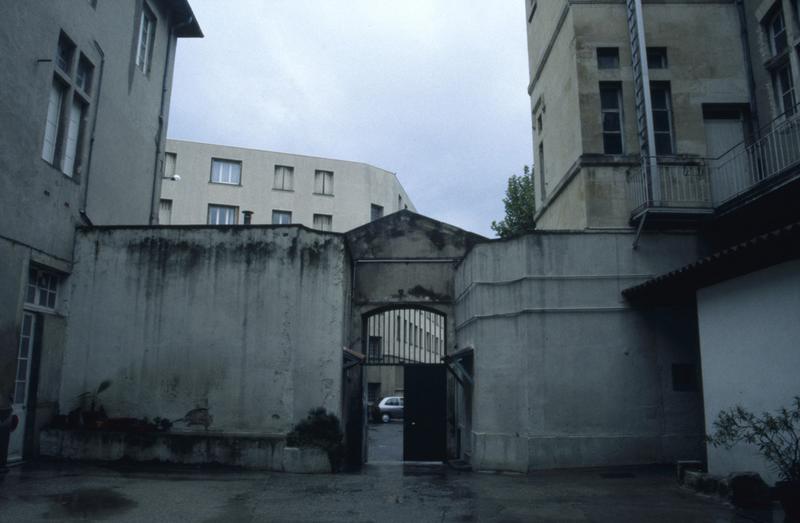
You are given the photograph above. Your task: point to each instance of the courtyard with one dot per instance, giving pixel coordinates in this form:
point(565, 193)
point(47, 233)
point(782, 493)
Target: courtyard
point(381, 492)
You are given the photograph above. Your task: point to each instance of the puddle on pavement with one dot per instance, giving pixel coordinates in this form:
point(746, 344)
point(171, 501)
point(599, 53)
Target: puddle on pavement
point(88, 504)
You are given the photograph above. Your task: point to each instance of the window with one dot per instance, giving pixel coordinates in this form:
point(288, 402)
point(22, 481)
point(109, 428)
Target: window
point(24, 356)
point(375, 212)
point(147, 34)
point(73, 136)
point(533, 11)
point(397, 328)
point(662, 117)
point(539, 124)
point(776, 30)
point(607, 58)
point(83, 78)
point(611, 113)
point(399, 203)
point(170, 164)
point(165, 212)
point(281, 217)
point(784, 89)
point(42, 288)
point(374, 348)
point(226, 171)
point(540, 166)
point(222, 215)
point(323, 182)
point(64, 54)
point(53, 121)
point(323, 222)
point(67, 107)
point(657, 57)
point(284, 178)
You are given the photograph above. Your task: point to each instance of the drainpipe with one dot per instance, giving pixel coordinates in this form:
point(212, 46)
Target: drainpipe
point(85, 196)
point(160, 138)
point(748, 61)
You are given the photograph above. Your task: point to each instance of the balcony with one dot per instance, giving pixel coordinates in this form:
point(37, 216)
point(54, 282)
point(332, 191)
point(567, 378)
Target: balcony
point(677, 188)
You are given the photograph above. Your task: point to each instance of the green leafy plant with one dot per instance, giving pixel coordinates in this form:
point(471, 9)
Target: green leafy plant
point(777, 436)
point(520, 204)
point(322, 430)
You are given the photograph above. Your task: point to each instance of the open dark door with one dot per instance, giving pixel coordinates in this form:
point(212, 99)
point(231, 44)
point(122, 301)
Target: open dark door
point(425, 413)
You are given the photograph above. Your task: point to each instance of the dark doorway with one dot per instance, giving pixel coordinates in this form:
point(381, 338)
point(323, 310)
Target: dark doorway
point(403, 349)
point(425, 422)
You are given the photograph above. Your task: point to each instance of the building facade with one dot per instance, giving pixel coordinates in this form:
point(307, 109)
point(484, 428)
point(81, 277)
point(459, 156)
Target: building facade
point(682, 116)
point(223, 185)
point(81, 142)
point(586, 92)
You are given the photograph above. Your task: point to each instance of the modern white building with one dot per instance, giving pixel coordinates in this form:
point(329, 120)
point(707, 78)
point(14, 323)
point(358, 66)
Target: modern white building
point(222, 185)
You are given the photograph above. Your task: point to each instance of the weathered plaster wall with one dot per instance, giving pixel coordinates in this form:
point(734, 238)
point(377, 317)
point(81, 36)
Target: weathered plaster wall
point(567, 374)
point(247, 322)
point(748, 341)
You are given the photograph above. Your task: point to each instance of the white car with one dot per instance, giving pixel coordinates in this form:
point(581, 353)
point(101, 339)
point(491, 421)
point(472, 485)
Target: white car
point(391, 407)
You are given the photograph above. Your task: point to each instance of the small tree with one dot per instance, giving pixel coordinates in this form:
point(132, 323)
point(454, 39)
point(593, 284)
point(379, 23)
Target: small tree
point(777, 436)
point(520, 203)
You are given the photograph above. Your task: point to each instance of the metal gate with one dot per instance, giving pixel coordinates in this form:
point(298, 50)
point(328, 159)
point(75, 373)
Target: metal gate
point(399, 336)
point(425, 421)
point(413, 340)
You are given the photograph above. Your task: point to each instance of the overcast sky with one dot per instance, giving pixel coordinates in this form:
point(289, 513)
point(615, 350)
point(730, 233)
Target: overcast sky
point(433, 90)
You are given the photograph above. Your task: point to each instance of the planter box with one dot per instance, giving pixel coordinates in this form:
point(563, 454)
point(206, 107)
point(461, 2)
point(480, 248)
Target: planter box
point(306, 460)
point(263, 452)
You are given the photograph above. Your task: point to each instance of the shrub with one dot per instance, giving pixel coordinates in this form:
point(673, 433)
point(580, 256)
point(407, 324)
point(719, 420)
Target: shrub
point(322, 430)
point(776, 436)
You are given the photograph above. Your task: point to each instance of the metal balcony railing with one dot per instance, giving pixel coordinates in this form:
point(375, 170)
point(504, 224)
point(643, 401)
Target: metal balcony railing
point(740, 169)
point(695, 184)
point(671, 183)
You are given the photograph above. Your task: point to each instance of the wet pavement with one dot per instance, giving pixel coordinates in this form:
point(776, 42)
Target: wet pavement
point(153, 493)
point(385, 442)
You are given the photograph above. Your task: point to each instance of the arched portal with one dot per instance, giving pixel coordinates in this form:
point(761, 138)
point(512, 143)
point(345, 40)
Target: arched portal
point(404, 347)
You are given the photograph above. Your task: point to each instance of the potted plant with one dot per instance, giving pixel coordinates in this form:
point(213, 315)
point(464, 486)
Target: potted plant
point(94, 415)
point(777, 437)
point(322, 430)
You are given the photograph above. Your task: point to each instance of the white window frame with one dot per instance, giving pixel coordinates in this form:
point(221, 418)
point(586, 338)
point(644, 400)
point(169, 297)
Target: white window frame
point(41, 292)
point(323, 222)
point(284, 178)
point(229, 172)
point(146, 40)
point(323, 182)
point(216, 216)
point(280, 214)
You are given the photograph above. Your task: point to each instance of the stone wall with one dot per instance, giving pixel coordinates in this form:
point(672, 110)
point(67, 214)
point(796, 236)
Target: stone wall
point(567, 374)
point(245, 322)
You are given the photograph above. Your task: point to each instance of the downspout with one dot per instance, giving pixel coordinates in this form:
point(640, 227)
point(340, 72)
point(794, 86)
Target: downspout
point(160, 138)
point(748, 62)
point(85, 196)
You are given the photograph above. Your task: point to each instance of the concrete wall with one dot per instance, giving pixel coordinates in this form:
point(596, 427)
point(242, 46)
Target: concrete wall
point(355, 187)
point(567, 374)
point(247, 322)
point(42, 204)
point(748, 341)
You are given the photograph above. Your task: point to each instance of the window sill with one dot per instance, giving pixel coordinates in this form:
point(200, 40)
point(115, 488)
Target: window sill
point(322, 194)
point(282, 190)
point(777, 60)
point(72, 178)
point(225, 184)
